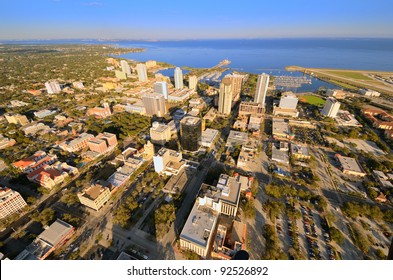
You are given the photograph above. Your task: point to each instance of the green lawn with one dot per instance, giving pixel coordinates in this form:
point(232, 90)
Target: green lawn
point(351, 75)
point(312, 99)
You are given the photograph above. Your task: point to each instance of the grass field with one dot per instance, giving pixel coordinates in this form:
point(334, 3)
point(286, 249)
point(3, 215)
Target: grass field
point(313, 100)
point(351, 75)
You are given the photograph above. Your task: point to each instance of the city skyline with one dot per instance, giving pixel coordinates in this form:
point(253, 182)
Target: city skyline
point(141, 21)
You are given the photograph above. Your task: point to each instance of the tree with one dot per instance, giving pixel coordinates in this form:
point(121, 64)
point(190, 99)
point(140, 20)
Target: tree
point(249, 209)
point(336, 235)
point(46, 217)
point(71, 219)
point(164, 216)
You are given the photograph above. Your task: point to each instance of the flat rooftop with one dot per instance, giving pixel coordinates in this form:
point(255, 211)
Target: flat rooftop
point(230, 189)
point(238, 136)
point(280, 156)
point(280, 127)
point(209, 134)
point(199, 225)
point(348, 163)
point(298, 149)
point(190, 120)
point(93, 192)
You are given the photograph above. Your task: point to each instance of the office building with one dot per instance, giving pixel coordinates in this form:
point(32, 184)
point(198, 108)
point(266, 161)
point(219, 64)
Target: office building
point(103, 143)
point(350, 166)
point(225, 97)
point(261, 90)
point(154, 104)
point(162, 88)
point(236, 138)
point(76, 144)
point(52, 87)
point(100, 112)
point(94, 196)
point(178, 76)
point(16, 119)
point(331, 107)
point(167, 161)
point(251, 109)
point(160, 133)
point(190, 133)
point(10, 202)
point(48, 241)
point(142, 72)
point(192, 82)
point(125, 68)
point(237, 83)
point(209, 137)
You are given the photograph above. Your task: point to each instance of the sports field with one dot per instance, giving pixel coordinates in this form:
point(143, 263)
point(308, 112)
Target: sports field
point(312, 99)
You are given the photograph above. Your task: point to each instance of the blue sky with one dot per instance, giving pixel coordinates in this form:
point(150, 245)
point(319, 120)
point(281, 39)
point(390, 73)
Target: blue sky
point(187, 19)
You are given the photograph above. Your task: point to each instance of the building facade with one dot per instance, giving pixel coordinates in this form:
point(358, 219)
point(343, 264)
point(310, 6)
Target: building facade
point(331, 107)
point(192, 82)
point(154, 104)
point(225, 97)
point(94, 196)
point(190, 133)
point(10, 202)
point(125, 68)
point(160, 133)
point(178, 76)
point(261, 90)
point(142, 72)
point(162, 88)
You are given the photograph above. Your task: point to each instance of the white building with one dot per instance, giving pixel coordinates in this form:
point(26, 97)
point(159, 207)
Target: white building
point(178, 76)
point(192, 82)
point(10, 202)
point(288, 101)
point(142, 72)
point(52, 87)
point(331, 107)
point(161, 87)
point(208, 138)
point(369, 92)
point(260, 93)
point(125, 67)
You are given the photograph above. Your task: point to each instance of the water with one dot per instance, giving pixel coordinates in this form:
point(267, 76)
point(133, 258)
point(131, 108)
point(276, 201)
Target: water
point(271, 55)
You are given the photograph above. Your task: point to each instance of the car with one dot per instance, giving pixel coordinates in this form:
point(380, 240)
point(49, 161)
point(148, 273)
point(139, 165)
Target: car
point(145, 257)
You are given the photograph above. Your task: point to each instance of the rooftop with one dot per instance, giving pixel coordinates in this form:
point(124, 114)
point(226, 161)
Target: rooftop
point(348, 163)
point(280, 127)
point(93, 191)
point(190, 120)
point(199, 225)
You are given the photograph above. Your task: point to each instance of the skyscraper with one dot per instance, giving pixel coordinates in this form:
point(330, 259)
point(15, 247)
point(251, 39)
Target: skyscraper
point(154, 104)
point(237, 82)
point(225, 97)
point(260, 93)
point(331, 107)
point(178, 76)
point(192, 82)
point(142, 72)
point(125, 68)
point(161, 87)
point(190, 133)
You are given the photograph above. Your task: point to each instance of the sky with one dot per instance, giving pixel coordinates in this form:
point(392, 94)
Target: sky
point(198, 19)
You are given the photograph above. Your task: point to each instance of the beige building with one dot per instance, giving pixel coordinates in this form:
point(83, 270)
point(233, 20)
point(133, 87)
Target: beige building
point(225, 97)
point(154, 104)
point(10, 202)
point(251, 108)
point(160, 133)
point(350, 166)
point(94, 196)
point(151, 63)
point(168, 161)
point(16, 119)
point(192, 82)
point(300, 151)
point(148, 150)
point(237, 83)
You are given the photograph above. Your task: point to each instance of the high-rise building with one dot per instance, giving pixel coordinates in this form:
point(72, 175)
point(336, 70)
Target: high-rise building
point(52, 87)
point(178, 76)
point(237, 82)
point(260, 93)
point(125, 67)
point(190, 133)
point(192, 82)
point(10, 202)
point(225, 97)
point(154, 104)
point(142, 72)
point(331, 107)
point(288, 101)
point(161, 87)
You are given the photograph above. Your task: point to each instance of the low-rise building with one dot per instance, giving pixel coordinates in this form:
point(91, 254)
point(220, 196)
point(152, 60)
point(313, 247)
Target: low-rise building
point(236, 138)
point(280, 153)
point(379, 118)
point(36, 128)
point(168, 161)
point(16, 119)
point(99, 112)
point(160, 133)
point(251, 108)
point(48, 241)
point(44, 113)
point(350, 166)
point(369, 93)
point(180, 95)
point(336, 93)
point(76, 144)
point(10, 202)
point(94, 196)
point(281, 130)
point(209, 137)
point(102, 143)
point(300, 151)
point(254, 124)
point(345, 118)
point(34, 162)
point(6, 142)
